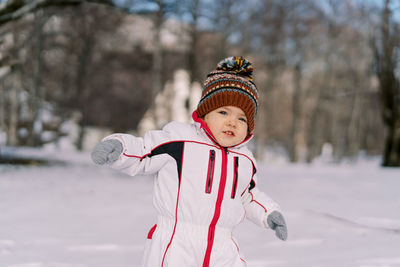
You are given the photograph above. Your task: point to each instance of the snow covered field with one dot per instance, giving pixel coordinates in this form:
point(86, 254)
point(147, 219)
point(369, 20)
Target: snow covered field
point(81, 215)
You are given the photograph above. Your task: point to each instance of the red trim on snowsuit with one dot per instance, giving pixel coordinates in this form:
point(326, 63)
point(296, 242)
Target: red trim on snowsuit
point(217, 213)
point(187, 141)
point(151, 232)
point(253, 200)
point(237, 247)
point(176, 209)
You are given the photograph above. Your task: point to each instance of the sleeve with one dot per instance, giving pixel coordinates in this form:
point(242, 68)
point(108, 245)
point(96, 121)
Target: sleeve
point(136, 157)
point(257, 204)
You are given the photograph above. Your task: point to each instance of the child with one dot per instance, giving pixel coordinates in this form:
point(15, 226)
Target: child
point(205, 177)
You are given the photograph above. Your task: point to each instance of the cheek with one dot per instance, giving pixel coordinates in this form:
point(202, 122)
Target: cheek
point(245, 131)
point(212, 125)
point(245, 127)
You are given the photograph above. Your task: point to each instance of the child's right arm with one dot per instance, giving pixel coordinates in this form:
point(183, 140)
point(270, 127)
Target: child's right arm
point(132, 155)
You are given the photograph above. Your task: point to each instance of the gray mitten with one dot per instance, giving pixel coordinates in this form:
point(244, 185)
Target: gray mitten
point(277, 223)
point(107, 151)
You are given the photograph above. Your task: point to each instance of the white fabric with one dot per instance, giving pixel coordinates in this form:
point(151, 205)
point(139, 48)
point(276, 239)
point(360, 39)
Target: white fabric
point(182, 234)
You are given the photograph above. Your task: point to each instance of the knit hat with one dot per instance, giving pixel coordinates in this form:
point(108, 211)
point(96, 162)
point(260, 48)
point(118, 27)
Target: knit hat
point(230, 84)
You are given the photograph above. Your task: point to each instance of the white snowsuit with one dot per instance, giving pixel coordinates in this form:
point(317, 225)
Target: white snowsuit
point(201, 192)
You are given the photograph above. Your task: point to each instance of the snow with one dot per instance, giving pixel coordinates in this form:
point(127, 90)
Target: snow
point(81, 215)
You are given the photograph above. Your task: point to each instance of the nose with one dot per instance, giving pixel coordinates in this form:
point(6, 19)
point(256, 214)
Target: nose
point(231, 122)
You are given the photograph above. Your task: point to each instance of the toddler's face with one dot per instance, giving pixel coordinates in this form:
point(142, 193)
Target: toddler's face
point(228, 124)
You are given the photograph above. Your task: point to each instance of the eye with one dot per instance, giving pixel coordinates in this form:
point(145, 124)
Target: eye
point(222, 112)
point(243, 119)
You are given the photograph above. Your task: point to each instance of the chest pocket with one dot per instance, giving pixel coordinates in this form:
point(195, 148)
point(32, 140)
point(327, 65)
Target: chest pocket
point(210, 171)
point(235, 177)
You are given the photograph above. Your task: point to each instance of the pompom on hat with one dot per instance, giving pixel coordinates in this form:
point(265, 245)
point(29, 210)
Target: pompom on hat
point(230, 84)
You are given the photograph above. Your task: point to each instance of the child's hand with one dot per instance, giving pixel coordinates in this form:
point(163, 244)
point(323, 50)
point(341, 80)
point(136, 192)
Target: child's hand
point(107, 151)
point(277, 223)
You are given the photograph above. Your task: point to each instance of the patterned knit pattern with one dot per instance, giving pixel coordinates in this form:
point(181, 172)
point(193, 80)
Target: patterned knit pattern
point(230, 84)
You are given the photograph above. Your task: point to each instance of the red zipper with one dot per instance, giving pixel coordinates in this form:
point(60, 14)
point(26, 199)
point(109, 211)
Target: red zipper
point(210, 172)
point(217, 213)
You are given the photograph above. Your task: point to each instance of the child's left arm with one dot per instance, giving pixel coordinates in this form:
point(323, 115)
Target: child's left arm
point(263, 211)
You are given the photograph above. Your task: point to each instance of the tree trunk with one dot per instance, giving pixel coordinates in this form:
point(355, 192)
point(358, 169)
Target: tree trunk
point(2, 108)
point(192, 58)
point(313, 132)
point(13, 116)
point(36, 94)
point(81, 87)
point(157, 60)
point(266, 113)
point(293, 156)
point(392, 146)
point(385, 48)
point(353, 130)
point(3, 73)
point(12, 129)
point(194, 39)
point(157, 64)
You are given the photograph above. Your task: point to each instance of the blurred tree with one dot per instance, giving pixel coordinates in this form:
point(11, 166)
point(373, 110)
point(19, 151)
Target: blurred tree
point(210, 25)
point(194, 10)
point(312, 62)
point(264, 37)
point(386, 46)
point(343, 85)
point(15, 9)
point(28, 83)
point(304, 16)
point(159, 10)
point(12, 85)
point(80, 43)
point(34, 79)
point(312, 70)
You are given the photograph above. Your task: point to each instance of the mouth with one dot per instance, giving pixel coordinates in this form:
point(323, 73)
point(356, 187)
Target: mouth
point(229, 133)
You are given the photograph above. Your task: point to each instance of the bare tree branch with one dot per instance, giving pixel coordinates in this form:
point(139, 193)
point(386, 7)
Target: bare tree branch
point(15, 9)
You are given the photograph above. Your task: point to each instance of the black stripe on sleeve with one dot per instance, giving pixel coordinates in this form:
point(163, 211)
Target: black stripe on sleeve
point(175, 150)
